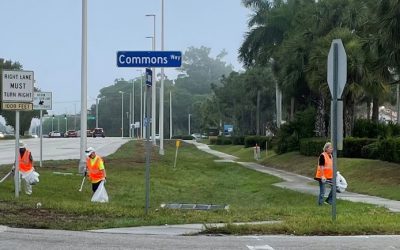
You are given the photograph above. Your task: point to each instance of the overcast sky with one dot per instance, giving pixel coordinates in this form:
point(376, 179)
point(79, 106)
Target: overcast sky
point(45, 37)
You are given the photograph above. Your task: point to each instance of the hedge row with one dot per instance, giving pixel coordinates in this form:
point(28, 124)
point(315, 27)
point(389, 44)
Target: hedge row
point(248, 141)
point(183, 137)
point(352, 147)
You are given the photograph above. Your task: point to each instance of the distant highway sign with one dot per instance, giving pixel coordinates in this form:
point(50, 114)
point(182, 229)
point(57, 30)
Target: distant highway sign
point(42, 100)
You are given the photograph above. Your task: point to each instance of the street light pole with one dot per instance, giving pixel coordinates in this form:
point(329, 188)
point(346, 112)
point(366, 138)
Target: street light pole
point(97, 112)
point(122, 113)
point(153, 88)
point(189, 123)
point(141, 103)
point(161, 118)
point(133, 110)
point(52, 124)
point(66, 123)
point(170, 115)
point(130, 115)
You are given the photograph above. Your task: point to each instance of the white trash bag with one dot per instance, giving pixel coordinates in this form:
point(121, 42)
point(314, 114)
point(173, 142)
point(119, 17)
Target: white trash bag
point(341, 183)
point(31, 177)
point(101, 194)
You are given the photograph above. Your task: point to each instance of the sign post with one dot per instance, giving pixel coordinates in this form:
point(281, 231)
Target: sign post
point(42, 101)
point(149, 59)
point(337, 76)
point(17, 95)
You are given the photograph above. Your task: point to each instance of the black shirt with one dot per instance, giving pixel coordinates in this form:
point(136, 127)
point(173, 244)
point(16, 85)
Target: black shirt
point(321, 160)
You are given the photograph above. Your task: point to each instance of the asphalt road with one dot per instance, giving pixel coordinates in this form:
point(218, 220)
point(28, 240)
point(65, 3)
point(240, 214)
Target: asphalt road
point(59, 148)
point(55, 239)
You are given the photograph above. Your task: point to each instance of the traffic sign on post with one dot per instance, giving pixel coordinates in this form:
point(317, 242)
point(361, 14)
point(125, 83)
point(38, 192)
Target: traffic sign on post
point(17, 86)
point(152, 59)
point(149, 77)
point(42, 100)
point(342, 67)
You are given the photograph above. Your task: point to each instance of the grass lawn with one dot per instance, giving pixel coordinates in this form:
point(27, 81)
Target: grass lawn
point(196, 179)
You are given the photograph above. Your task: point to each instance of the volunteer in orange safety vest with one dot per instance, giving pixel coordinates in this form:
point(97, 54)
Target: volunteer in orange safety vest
point(324, 172)
point(95, 167)
point(25, 164)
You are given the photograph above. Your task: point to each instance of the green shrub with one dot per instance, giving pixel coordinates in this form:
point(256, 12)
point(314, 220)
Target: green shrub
point(370, 151)
point(238, 140)
point(389, 150)
point(366, 128)
point(312, 146)
point(183, 137)
point(352, 146)
point(222, 140)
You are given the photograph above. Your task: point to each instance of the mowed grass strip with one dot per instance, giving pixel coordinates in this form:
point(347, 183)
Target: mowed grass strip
point(365, 176)
point(196, 179)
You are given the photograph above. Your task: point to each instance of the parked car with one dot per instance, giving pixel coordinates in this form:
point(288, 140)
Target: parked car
point(98, 132)
point(54, 134)
point(157, 137)
point(71, 133)
point(1, 135)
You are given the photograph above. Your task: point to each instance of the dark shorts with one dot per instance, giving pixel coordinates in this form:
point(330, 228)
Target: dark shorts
point(95, 186)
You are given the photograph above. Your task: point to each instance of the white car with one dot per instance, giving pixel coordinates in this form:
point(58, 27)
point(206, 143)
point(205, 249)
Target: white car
point(54, 134)
point(1, 135)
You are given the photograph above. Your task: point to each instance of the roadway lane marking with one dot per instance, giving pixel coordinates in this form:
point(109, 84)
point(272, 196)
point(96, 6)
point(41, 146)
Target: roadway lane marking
point(265, 247)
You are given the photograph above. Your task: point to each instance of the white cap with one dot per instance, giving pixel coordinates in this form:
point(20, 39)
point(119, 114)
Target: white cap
point(22, 144)
point(89, 151)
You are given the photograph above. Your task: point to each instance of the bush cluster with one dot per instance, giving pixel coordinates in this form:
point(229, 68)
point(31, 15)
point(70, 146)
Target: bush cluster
point(183, 137)
point(366, 128)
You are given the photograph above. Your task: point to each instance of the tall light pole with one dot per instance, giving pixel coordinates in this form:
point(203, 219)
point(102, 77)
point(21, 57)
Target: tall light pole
point(153, 88)
point(52, 123)
point(161, 115)
point(133, 110)
point(122, 113)
point(141, 102)
point(129, 115)
point(82, 160)
point(170, 115)
point(97, 112)
point(66, 123)
point(189, 123)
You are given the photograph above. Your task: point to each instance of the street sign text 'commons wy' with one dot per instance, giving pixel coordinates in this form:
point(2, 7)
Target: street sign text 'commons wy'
point(156, 59)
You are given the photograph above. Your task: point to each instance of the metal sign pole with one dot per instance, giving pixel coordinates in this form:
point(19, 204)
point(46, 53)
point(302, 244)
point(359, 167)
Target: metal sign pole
point(16, 172)
point(148, 149)
point(334, 125)
point(41, 138)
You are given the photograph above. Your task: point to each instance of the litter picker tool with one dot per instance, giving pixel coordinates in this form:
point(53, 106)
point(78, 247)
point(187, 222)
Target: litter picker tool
point(83, 181)
point(8, 174)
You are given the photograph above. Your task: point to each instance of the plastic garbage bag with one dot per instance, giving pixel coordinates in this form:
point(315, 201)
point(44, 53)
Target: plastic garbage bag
point(101, 194)
point(31, 177)
point(341, 183)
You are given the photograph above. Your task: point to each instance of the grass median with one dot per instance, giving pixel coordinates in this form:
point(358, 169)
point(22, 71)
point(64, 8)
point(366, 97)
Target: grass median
point(250, 195)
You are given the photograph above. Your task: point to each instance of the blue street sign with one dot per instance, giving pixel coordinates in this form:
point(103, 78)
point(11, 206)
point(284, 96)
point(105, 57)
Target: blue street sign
point(152, 59)
point(149, 77)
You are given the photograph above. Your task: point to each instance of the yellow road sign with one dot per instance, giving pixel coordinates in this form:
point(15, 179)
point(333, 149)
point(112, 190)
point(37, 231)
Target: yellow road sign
point(20, 106)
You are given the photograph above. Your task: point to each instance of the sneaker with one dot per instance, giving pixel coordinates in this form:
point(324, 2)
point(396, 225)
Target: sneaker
point(327, 203)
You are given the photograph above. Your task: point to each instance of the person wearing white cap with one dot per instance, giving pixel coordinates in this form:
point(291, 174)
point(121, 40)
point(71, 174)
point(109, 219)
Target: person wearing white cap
point(95, 167)
point(25, 165)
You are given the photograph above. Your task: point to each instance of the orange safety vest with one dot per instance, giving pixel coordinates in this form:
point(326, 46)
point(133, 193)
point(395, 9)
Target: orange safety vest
point(25, 164)
point(95, 173)
point(328, 168)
